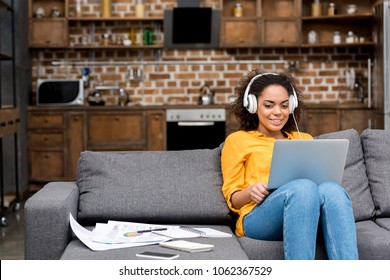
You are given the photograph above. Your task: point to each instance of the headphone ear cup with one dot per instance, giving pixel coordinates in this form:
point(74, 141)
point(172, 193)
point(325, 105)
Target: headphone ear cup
point(252, 104)
point(293, 103)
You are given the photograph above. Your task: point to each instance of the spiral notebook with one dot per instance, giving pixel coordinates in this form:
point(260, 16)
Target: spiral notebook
point(190, 232)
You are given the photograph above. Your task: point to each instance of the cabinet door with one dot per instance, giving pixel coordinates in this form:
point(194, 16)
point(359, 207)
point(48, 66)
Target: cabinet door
point(240, 33)
point(116, 131)
point(48, 33)
point(76, 141)
point(281, 32)
point(156, 131)
point(316, 122)
point(356, 119)
point(232, 124)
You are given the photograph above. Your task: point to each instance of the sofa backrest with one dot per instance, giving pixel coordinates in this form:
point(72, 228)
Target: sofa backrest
point(152, 187)
point(355, 179)
point(376, 147)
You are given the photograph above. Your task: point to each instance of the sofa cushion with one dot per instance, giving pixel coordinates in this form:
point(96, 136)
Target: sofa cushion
point(272, 250)
point(376, 147)
point(383, 223)
point(355, 180)
point(224, 249)
point(373, 241)
point(152, 187)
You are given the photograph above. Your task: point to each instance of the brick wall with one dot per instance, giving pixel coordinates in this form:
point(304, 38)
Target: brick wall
point(320, 71)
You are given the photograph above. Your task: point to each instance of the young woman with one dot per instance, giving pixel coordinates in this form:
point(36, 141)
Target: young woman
point(268, 107)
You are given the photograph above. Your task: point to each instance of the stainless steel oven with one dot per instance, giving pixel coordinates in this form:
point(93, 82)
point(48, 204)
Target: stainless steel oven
point(202, 128)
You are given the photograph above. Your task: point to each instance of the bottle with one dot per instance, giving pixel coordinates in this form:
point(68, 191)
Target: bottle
point(336, 37)
point(316, 8)
point(139, 9)
point(78, 8)
point(106, 8)
point(238, 10)
point(331, 9)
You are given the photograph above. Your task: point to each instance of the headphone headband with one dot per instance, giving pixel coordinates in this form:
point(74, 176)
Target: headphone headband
point(250, 100)
point(248, 87)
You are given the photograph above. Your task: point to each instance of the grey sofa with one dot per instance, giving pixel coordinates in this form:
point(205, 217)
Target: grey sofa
point(184, 187)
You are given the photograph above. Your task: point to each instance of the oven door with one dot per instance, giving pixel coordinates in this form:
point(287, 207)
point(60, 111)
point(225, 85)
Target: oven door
point(188, 135)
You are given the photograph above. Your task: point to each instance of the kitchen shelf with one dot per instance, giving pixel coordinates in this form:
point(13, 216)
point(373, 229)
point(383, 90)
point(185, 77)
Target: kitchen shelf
point(9, 113)
point(68, 27)
point(323, 45)
point(158, 46)
point(343, 17)
point(93, 19)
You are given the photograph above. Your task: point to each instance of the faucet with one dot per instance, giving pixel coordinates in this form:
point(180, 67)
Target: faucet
point(358, 86)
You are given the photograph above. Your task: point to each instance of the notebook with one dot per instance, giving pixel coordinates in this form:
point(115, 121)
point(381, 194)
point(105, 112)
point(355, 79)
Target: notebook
point(319, 160)
point(187, 246)
point(176, 232)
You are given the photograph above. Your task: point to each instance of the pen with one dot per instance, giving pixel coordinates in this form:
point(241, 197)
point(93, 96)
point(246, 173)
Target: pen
point(150, 230)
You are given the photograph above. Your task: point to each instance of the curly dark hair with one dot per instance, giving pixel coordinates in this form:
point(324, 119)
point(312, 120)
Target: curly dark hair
point(248, 121)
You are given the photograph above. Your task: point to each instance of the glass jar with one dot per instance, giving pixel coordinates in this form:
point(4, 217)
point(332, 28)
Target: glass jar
point(238, 10)
point(336, 37)
point(350, 39)
point(312, 37)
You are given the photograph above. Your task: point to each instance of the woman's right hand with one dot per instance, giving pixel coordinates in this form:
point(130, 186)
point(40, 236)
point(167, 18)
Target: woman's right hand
point(258, 192)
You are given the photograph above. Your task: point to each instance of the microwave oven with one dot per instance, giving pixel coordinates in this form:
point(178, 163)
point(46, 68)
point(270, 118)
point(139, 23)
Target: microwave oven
point(60, 92)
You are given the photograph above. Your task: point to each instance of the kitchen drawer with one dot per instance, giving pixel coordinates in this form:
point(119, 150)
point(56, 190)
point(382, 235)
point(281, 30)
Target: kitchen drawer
point(46, 139)
point(9, 121)
point(46, 121)
point(47, 165)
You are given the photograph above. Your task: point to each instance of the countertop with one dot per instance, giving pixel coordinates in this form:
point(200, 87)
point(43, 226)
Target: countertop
point(134, 106)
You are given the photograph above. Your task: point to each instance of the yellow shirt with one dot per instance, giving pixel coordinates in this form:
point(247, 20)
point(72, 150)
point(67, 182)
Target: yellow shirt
point(246, 159)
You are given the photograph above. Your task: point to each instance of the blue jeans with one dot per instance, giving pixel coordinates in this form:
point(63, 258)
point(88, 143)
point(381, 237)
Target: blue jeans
point(292, 212)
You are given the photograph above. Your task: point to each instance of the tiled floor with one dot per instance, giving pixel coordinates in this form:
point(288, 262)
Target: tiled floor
point(12, 236)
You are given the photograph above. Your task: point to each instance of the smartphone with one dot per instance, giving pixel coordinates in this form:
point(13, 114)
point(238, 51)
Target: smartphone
point(157, 255)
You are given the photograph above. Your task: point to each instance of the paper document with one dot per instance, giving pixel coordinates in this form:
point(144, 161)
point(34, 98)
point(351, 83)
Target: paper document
point(115, 235)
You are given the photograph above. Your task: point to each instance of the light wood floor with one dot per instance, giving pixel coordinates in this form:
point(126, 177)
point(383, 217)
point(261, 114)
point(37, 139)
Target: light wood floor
point(12, 236)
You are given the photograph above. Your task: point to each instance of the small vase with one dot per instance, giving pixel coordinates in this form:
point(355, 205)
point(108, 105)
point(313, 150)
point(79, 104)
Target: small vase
point(106, 8)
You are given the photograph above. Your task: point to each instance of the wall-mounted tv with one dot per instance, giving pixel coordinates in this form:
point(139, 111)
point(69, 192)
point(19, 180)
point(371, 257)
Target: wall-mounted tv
point(191, 28)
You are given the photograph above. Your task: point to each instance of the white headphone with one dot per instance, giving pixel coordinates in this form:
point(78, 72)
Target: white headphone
point(250, 100)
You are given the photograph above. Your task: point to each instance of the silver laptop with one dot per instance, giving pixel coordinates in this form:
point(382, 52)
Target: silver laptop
point(319, 160)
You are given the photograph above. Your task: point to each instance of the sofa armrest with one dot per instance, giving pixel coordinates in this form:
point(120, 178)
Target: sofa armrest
point(47, 229)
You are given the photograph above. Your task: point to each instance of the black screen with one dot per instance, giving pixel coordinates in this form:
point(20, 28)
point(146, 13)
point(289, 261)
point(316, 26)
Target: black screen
point(191, 25)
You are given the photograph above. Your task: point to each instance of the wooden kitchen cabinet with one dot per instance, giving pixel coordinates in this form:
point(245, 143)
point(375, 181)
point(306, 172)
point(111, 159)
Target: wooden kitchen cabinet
point(264, 23)
point(86, 31)
point(320, 121)
point(47, 146)
point(42, 23)
point(360, 23)
point(326, 120)
point(55, 141)
point(110, 130)
point(240, 33)
point(156, 130)
point(57, 136)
